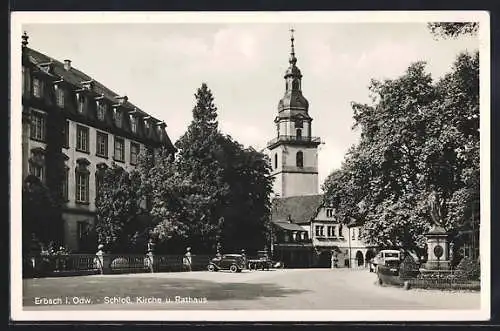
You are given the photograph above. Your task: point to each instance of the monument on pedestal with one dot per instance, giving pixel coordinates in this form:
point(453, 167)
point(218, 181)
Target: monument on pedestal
point(438, 258)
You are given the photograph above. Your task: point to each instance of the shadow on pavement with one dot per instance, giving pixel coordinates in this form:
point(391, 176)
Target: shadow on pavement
point(98, 288)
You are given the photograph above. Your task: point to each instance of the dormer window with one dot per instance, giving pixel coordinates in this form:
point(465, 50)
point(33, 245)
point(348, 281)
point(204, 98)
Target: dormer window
point(118, 118)
point(37, 88)
point(133, 123)
point(101, 110)
point(59, 97)
point(80, 103)
point(329, 212)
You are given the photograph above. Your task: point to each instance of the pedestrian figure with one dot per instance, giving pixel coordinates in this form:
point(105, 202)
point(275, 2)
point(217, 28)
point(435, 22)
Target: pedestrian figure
point(244, 256)
point(334, 260)
point(186, 261)
point(99, 258)
point(150, 255)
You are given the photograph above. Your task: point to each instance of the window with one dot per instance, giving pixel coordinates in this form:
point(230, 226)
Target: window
point(295, 84)
point(82, 139)
point(353, 233)
point(101, 110)
point(331, 231)
point(118, 118)
point(82, 229)
point(134, 152)
point(298, 124)
point(37, 88)
point(81, 103)
point(319, 229)
point(59, 97)
point(38, 126)
point(276, 161)
point(299, 134)
point(82, 187)
point(340, 231)
point(102, 144)
point(64, 190)
point(329, 213)
point(66, 135)
point(299, 159)
point(119, 149)
point(133, 124)
point(37, 171)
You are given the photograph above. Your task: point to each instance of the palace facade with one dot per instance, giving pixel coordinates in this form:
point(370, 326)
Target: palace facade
point(73, 128)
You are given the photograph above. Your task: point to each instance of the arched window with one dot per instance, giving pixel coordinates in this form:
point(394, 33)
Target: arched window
point(276, 161)
point(299, 159)
point(295, 84)
point(299, 134)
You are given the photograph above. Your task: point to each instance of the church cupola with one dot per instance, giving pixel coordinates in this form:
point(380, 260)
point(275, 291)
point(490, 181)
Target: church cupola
point(293, 98)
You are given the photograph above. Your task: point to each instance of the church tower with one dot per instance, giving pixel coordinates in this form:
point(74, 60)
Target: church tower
point(294, 151)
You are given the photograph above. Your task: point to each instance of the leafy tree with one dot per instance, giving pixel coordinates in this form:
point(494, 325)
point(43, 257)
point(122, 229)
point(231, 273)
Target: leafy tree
point(453, 29)
point(40, 213)
point(417, 136)
point(118, 207)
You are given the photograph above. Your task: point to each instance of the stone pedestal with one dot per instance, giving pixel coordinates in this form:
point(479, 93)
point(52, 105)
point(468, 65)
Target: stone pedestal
point(437, 249)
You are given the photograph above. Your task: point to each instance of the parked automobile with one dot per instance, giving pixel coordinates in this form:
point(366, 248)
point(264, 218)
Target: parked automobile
point(231, 262)
point(388, 272)
point(382, 257)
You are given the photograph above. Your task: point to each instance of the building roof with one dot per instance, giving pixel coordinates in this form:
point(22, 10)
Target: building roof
point(75, 77)
point(59, 71)
point(288, 226)
point(297, 209)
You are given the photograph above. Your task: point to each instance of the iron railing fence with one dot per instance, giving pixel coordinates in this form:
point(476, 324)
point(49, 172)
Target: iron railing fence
point(83, 264)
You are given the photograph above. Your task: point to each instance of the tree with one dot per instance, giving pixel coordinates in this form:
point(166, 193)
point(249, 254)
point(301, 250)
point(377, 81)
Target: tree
point(453, 29)
point(118, 207)
point(40, 213)
point(417, 136)
point(214, 191)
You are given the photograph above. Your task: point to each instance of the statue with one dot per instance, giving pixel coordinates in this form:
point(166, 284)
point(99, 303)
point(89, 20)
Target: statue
point(435, 208)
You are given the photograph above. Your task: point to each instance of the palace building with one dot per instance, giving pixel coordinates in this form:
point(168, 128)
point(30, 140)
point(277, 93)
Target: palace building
point(73, 128)
point(306, 231)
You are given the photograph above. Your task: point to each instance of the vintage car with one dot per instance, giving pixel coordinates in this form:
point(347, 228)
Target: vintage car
point(382, 257)
point(231, 262)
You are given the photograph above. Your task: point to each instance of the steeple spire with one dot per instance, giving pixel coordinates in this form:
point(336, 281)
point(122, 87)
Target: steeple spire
point(292, 59)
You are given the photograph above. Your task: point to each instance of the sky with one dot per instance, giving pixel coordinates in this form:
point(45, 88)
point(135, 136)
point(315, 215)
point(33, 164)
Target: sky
point(160, 66)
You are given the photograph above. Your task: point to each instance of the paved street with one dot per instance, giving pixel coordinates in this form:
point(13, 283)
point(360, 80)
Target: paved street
point(275, 289)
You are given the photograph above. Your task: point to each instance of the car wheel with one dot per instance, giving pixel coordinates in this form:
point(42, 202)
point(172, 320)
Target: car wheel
point(211, 267)
point(233, 268)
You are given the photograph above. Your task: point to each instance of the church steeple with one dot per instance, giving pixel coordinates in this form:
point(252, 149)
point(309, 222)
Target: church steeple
point(293, 100)
point(294, 150)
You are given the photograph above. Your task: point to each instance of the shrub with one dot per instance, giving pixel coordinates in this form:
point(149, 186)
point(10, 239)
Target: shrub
point(119, 263)
point(468, 269)
point(408, 268)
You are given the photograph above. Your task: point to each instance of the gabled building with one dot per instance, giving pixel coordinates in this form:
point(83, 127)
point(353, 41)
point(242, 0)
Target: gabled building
point(73, 128)
point(307, 232)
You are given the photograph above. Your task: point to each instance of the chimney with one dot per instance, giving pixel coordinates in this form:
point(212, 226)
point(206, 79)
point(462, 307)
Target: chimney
point(67, 64)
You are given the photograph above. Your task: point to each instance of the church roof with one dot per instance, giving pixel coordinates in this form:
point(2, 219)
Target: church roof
point(297, 209)
point(293, 100)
